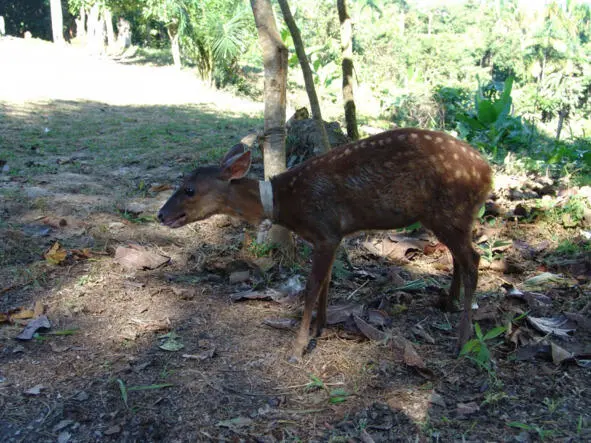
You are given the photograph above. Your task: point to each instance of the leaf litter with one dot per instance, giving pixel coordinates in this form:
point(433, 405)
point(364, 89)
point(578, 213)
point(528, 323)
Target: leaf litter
point(249, 371)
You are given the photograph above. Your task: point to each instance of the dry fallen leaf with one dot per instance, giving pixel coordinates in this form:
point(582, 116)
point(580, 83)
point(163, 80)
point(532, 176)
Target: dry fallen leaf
point(54, 222)
point(39, 308)
point(281, 323)
point(411, 357)
point(368, 330)
point(23, 314)
point(265, 294)
point(139, 258)
point(341, 313)
point(558, 326)
point(560, 354)
point(161, 187)
point(81, 254)
point(56, 254)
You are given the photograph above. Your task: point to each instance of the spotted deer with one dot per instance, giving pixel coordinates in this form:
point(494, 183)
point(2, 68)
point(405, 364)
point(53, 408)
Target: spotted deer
point(389, 180)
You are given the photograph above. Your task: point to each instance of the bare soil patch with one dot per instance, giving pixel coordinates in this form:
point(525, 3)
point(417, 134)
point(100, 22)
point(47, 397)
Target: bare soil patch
point(165, 355)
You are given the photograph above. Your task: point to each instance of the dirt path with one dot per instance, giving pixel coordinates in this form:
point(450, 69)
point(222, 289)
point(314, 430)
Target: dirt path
point(165, 355)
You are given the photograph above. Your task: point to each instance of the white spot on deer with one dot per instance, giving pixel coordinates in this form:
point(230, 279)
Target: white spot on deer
point(381, 142)
point(441, 156)
point(452, 142)
point(438, 140)
point(464, 149)
point(458, 173)
point(293, 181)
point(388, 140)
point(347, 151)
point(456, 156)
point(363, 144)
point(414, 135)
point(472, 155)
point(373, 144)
point(447, 166)
point(427, 137)
point(433, 159)
point(401, 137)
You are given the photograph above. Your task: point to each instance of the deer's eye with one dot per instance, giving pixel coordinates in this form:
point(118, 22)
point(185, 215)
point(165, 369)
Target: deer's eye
point(190, 191)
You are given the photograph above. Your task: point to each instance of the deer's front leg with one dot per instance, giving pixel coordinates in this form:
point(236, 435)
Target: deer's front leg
point(321, 266)
point(323, 303)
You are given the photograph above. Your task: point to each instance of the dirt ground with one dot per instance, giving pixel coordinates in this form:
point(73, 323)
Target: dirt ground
point(88, 149)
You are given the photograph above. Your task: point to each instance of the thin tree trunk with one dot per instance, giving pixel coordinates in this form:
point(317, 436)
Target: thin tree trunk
point(561, 117)
point(347, 64)
point(174, 45)
point(307, 71)
point(108, 18)
point(81, 24)
point(95, 39)
point(57, 21)
point(275, 63)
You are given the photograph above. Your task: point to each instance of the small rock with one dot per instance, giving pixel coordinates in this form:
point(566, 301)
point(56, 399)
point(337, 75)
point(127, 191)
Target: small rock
point(62, 425)
point(465, 409)
point(134, 208)
point(239, 277)
point(64, 437)
point(116, 429)
point(35, 390)
point(82, 396)
point(36, 192)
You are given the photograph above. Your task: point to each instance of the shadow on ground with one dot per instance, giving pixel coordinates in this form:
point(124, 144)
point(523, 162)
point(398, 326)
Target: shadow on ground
point(100, 373)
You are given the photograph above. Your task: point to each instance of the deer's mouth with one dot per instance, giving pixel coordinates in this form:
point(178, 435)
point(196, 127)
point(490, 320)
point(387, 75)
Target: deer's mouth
point(176, 222)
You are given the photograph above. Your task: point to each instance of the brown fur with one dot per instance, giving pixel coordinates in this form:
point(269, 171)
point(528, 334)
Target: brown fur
point(386, 181)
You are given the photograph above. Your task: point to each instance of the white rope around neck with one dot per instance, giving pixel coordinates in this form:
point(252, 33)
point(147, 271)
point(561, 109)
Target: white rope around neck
point(266, 191)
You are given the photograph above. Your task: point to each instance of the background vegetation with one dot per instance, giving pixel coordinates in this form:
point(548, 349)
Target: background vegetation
point(507, 75)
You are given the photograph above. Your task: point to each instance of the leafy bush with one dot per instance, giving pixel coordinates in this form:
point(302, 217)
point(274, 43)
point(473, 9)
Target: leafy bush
point(452, 101)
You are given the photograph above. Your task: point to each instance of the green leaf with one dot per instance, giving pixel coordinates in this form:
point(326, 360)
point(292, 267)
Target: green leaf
point(338, 396)
point(469, 347)
point(316, 383)
point(486, 112)
point(516, 424)
point(123, 391)
point(481, 211)
point(478, 331)
point(503, 104)
point(484, 356)
point(495, 332)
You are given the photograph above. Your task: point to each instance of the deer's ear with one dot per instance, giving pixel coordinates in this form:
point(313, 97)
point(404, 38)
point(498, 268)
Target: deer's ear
point(235, 167)
point(235, 150)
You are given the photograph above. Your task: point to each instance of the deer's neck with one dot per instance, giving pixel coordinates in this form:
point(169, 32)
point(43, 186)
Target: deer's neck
point(244, 201)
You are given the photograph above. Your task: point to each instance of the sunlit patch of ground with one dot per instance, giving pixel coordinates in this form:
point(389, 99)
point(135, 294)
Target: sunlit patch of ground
point(85, 140)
